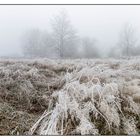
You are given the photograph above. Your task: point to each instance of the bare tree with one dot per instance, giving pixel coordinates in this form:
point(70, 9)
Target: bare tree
point(46, 45)
point(115, 51)
point(30, 42)
point(64, 34)
point(36, 43)
point(127, 40)
point(89, 48)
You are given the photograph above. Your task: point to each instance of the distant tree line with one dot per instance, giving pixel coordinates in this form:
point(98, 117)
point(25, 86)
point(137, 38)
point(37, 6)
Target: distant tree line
point(61, 42)
point(127, 45)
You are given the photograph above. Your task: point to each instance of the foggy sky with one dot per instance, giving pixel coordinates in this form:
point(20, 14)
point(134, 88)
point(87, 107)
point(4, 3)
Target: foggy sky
point(96, 21)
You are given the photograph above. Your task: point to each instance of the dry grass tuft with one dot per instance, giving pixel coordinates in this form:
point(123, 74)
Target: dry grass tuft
point(72, 97)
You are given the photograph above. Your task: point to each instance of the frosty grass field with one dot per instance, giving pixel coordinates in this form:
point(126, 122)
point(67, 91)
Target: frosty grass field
point(70, 97)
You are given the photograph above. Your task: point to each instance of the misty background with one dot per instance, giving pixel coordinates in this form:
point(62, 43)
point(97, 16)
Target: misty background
point(100, 26)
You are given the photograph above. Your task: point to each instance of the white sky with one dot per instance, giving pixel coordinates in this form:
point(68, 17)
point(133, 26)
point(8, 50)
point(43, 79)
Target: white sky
point(98, 21)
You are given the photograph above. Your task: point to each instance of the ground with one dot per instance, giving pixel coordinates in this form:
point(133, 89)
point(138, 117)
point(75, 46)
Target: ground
point(70, 97)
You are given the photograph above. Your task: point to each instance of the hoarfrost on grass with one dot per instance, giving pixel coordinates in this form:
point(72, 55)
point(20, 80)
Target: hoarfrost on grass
point(73, 97)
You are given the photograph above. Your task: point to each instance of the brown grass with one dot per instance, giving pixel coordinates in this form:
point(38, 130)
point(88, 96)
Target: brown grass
point(78, 97)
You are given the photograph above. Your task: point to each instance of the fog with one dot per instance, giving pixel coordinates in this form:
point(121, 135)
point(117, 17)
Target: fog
point(102, 22)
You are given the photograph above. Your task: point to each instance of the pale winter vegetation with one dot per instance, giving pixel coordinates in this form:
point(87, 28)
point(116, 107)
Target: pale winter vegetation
point(57, 88)
point(70, 97)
